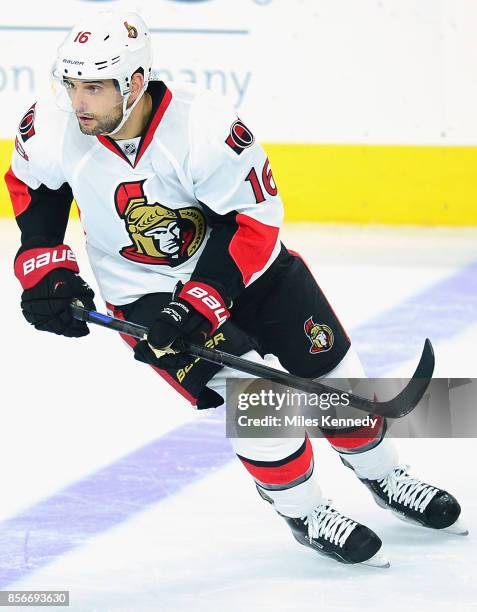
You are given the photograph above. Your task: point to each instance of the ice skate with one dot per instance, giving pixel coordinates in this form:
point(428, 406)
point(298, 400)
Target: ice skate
point(334, 535)
point(415, 501)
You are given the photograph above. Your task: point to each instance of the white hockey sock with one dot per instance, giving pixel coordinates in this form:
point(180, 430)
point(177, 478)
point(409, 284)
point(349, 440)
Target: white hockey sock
point(374, 463)
point(299, 500)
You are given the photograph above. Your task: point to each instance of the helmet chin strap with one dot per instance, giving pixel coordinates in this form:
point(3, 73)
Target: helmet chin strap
point(126, 111)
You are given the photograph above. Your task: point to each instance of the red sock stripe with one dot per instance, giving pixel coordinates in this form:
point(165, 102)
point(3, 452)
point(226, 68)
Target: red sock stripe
point(284, 471)
point(359, 438)
point(117, 313)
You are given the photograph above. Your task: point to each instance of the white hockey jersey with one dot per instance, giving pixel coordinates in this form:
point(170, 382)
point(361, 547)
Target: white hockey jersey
point(194, 198)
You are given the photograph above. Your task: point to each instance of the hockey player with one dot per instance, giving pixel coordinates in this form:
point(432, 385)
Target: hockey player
point(181, 216)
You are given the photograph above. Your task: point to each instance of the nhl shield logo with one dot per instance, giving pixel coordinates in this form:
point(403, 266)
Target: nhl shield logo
point(130, 148)
point(320, 335)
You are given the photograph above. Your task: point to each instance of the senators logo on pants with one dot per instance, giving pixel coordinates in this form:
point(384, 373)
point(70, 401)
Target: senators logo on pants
point(160, 235)
point(320, 335)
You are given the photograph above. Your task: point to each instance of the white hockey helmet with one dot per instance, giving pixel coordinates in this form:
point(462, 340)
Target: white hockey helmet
point(107, 45)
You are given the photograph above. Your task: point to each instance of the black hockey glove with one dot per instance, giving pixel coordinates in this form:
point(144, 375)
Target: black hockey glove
point(194, 313)
point(50, 280)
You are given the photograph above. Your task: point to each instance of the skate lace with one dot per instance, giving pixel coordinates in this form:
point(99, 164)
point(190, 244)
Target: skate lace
point(404, 489)
point(328, 523)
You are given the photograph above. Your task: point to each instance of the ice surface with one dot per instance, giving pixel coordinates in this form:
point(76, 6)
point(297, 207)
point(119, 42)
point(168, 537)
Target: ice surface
point(117, 491)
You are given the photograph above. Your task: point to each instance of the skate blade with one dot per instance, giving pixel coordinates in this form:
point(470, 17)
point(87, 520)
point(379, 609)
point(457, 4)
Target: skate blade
point(377, 560)
point(458, 528)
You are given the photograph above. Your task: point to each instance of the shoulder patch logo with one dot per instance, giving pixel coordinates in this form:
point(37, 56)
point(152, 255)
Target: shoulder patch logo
point(160, 235)
point(27, 127)
point(320, 335)
point(240, 137)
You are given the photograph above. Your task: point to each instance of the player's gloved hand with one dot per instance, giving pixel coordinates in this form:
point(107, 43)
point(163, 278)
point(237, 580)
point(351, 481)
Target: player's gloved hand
point(194, 313)
point(50, 280)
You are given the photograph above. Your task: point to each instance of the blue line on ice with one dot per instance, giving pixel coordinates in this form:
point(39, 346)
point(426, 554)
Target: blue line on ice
point(440, 312)
point(110, 496)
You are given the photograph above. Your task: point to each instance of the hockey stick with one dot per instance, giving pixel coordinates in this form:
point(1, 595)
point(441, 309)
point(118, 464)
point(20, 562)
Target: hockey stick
point(399, 406)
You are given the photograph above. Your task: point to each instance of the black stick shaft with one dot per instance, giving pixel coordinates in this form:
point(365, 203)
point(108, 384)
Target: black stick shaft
point(397, 407)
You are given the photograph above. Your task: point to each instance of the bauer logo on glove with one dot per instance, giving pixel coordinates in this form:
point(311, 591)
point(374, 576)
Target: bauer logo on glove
point(195, 312)
point(50, 280)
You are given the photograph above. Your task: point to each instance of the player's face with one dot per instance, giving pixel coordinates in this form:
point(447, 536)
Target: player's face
point(97, 105)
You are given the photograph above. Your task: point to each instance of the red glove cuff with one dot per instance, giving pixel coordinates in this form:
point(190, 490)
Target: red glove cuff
point(32, 265)
point(206, 300)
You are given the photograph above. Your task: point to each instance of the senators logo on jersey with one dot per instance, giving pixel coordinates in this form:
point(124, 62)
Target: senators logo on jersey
point(160, 235)
point(27, 124)
point(320, 335)
point(240, 137)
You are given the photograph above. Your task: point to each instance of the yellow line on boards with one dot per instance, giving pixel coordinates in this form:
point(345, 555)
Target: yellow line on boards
point(423, 185)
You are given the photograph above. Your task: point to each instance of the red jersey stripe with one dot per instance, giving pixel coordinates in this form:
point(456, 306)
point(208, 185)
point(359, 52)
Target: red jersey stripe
point(252, 245)
point(19, 192)
point(159, 114)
